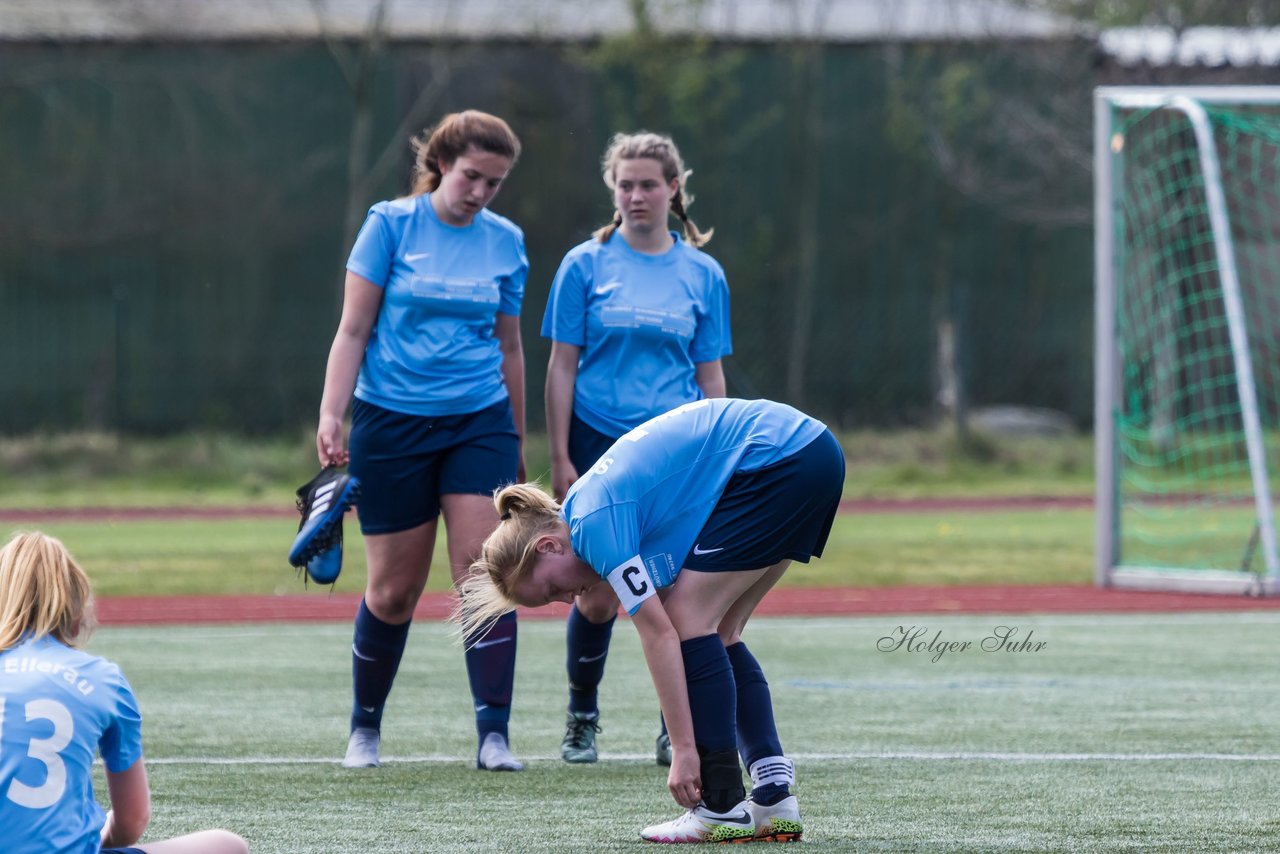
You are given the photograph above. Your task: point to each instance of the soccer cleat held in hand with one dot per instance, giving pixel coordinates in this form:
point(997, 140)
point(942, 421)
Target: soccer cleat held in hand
point(324, 567)
point(702, 825)
point(322, 501)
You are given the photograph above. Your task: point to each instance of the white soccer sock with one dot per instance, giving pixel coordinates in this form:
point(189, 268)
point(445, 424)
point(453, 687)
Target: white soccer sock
point(772, 770)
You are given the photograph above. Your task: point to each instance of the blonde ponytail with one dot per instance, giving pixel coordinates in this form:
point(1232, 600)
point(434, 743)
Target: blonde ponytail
point(507, 555)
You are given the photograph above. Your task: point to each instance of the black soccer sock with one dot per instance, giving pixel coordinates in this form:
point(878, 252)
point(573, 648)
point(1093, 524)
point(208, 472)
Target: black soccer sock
point(712, 705)
point(491, 669)
point(376, 650)
point(722, 787)
point(757, 732)
point(587, 646)
point(712, 697)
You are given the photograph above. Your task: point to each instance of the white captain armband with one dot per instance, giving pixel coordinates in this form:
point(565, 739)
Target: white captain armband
point(632, 583)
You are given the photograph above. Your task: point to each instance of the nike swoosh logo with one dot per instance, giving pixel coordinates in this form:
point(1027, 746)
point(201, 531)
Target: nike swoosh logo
point(582, 659)
point(484, 643)
point(416, 256)
point(698, 550)
point(607, 287)
point(357, 654)
point(370, 709)
point(744, 818)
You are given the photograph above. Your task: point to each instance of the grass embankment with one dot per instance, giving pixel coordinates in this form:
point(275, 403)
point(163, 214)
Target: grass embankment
point(246, 556)
point(102, 470)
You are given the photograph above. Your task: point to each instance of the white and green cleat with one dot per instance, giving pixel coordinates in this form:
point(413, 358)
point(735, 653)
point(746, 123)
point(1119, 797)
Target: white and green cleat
point(702, 825)
point(779, 822)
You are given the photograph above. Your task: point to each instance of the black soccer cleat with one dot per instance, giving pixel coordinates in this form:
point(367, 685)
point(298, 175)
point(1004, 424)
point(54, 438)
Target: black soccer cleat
point(322, 501)
point(325, 566)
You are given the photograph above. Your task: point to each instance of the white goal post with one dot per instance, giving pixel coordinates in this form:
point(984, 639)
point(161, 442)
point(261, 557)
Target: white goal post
point(1187, 337)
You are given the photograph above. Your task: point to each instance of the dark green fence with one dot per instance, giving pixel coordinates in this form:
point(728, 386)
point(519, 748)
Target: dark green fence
point(174, 220)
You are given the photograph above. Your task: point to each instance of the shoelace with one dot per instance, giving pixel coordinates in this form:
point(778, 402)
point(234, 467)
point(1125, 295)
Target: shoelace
point(690, 817)
point(577, 732)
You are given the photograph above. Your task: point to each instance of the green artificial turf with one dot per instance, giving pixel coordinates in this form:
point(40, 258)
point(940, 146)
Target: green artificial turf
point(1121, 733)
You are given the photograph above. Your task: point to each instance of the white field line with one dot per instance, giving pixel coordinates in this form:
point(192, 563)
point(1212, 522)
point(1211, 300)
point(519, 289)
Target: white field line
point(855, 756)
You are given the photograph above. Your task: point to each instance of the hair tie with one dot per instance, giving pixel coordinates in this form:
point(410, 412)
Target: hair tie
point(506, 516)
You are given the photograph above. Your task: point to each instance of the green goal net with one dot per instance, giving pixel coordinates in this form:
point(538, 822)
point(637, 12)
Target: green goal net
point(1188, 347)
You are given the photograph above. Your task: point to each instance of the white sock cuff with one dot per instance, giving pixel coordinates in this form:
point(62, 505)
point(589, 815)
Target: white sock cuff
point(775, 770)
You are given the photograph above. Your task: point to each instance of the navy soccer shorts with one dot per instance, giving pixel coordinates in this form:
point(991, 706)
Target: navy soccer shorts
point(780, 512)
point(406, 462)
point(586, 445)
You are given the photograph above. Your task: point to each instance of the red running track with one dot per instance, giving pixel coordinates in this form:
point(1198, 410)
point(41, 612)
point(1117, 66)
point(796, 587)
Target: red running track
point(317, 605)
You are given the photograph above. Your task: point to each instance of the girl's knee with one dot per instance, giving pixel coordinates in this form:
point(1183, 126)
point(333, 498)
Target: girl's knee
point(392, 605)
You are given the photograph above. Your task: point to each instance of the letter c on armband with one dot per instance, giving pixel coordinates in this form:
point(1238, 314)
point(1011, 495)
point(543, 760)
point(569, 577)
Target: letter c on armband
point(629, 576)
point(632, 584)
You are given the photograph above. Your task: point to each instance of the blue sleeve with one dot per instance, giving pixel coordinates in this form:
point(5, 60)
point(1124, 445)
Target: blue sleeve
point(609, 541)
point(374, 248)
point(712, 339)
point(607, 536)
point(121, 741)
point(512, 286)
point(565, 319)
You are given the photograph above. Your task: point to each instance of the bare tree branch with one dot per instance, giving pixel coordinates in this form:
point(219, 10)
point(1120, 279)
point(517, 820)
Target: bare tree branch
point(348, 66)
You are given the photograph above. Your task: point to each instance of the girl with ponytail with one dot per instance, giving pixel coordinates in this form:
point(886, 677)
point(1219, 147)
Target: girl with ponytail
point(429, 347)
point(638, 319)
point(688, 520)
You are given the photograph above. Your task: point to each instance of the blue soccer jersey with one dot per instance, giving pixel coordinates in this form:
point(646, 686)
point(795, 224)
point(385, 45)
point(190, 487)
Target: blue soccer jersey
point(636, 514)
point(432, 350)
point(58, 708)
point(642, 322)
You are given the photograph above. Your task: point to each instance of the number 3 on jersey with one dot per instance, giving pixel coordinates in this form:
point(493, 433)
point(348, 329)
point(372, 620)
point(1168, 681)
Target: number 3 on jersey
point(45, 751)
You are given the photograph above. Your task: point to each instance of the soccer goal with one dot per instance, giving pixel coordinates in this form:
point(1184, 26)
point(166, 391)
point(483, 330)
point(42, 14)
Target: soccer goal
point(1187, 370)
